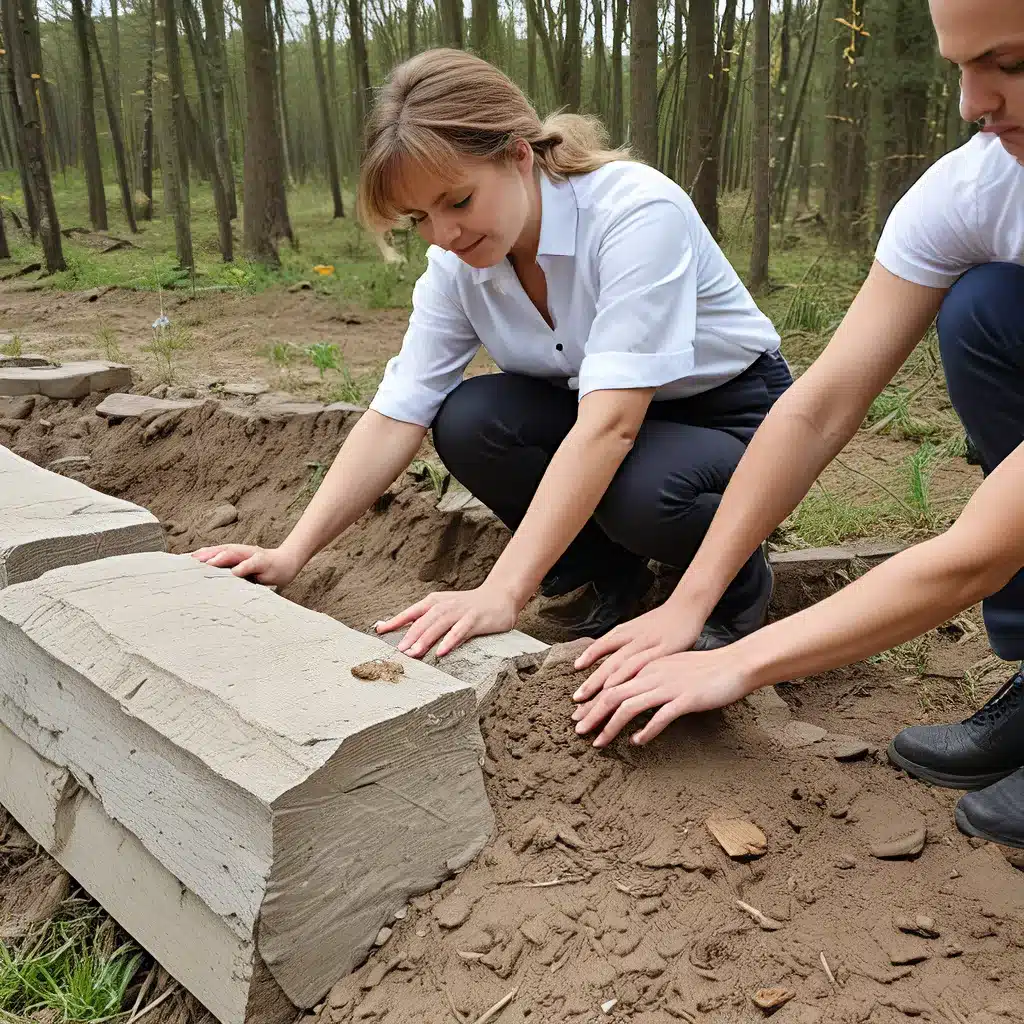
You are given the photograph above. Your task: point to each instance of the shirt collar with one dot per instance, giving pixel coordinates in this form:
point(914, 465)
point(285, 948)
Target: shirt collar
point(559, 214)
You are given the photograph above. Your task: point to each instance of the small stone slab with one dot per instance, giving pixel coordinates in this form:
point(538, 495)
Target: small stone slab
point(48, 520)
point(71, 380)
point(739, 838)
point(244, 389)
point(123, 407)
point(909, 845)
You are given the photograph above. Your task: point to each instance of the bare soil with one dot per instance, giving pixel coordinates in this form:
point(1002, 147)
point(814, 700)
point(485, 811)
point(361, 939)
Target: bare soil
point(603, 881)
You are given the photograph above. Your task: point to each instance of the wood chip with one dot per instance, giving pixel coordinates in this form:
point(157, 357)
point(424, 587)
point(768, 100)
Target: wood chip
point(828, 970)
point(765, 922)
point(906, 846)
point(772, 998)
point(497, 1007)
point(737, 837)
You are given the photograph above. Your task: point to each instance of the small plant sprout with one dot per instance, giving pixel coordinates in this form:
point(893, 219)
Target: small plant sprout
point(13, 348)
point(106, 336)
point(281, 354)
point(167, 342)
point(438, 476)
point(325, 356)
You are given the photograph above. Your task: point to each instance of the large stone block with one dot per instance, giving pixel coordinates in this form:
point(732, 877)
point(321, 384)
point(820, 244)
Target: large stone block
point(71, 380)
point(206, 732)
point(48, 520)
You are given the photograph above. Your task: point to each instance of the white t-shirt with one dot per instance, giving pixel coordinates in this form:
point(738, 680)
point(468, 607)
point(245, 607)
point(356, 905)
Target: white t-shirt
point(639, 292)
point(966, 209)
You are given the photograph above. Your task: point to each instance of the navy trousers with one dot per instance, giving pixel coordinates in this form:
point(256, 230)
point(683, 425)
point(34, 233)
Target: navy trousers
point(981, 338)
point(497, 433)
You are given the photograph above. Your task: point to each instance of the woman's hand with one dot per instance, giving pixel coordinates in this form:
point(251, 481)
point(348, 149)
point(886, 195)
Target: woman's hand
point(269, 566)
point(455, 616)
point(677, 685)
point(629, 648)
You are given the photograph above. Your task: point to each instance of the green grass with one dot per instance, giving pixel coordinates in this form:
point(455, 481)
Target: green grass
point(12, 348)
point(76, 968)
point(360, 277)
point(167, 345)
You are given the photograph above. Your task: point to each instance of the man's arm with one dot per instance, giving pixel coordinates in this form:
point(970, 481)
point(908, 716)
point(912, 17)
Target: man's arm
point(806, 428)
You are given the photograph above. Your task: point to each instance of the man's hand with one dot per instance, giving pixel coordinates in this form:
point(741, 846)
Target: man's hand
point(455, 616)
point(677, 685)
point(634, 645)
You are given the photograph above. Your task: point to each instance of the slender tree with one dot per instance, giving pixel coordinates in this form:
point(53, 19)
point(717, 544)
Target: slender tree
point(87, 121)
point(326, 120)
point(701, 173)
point(761, 144)
point(643, 79)
point(146, 154)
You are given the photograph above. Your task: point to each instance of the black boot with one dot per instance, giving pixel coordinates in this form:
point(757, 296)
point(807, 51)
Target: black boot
point(995, 813)
point(719, 631)
point(977, 752)
point(603, 603)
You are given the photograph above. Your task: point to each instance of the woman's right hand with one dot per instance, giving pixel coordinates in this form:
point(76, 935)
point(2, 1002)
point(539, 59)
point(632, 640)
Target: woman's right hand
point(269, 566)
point(635, 644)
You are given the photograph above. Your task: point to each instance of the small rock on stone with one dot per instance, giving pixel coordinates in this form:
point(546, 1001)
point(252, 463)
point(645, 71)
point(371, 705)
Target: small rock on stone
point(772, 998)
point(382, 936)
point(223, 515)
point(402, 913)
point(846, 862)
point(379, 670)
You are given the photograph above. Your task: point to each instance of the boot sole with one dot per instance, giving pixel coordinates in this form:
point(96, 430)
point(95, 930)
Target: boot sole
point(964, 824)
point(944, 779)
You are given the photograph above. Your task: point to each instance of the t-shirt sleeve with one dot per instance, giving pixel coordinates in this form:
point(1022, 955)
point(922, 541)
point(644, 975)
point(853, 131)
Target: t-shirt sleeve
point(643, 331)
point(929, 236)
point(439, 344)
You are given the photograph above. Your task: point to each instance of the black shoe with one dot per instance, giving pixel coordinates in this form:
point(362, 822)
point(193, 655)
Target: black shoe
point(720, 632)
point(603, 604)
point(560, 582)
point(995, 813)
point(977, 752)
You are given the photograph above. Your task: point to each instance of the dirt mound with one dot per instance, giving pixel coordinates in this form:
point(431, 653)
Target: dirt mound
point(604, 884)
point(240, 473)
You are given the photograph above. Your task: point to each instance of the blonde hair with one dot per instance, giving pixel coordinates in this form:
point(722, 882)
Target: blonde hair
point(444, 105)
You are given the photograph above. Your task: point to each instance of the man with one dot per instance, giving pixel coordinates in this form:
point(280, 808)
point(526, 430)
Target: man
point(953, 247)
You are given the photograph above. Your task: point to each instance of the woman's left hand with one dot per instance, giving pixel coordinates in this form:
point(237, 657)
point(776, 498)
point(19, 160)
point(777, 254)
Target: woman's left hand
point(455, 616)
point(679, 684)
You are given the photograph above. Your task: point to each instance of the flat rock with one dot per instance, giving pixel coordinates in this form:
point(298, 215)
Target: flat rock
point(772, 998)
point(908, 952)
point(909, 845)
point(71, 380)
point(845, 748)
point(739, 838)
point(48, 520)
point(277, 809)
point(453, 910)
point(124, 407)
point(245, 389)
point(800, 734)
point(221, 516)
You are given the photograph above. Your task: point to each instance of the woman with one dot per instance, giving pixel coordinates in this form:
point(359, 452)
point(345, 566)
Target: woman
point(635, 365)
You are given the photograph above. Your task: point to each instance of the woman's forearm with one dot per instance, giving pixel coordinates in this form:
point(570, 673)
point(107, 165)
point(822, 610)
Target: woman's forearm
point(904, 597)
point(375, 452)
point(573, 485)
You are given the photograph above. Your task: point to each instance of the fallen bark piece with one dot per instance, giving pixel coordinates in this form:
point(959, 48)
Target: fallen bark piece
point(772, 998)
point(906, 846)
point(737, 837)
point(280, 809)
point(48, 520)
point(124, 407)
point(71, 380)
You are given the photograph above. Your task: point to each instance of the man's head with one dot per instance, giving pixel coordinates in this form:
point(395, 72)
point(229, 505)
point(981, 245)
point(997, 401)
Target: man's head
point(985, 38)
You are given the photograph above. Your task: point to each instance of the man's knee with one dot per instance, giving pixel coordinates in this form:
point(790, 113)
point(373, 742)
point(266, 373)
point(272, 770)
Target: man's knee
point(982, 315)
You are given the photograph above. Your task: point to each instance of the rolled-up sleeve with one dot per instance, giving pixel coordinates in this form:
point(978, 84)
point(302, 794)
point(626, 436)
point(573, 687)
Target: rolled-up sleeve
point(438, 346)
point(642, 335)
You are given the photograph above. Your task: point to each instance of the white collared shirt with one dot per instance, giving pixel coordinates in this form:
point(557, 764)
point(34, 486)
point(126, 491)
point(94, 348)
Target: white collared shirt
point(965, 210)
point(639, 293)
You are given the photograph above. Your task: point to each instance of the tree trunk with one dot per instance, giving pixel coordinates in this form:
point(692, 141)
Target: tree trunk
point(361, 60)
point(5, 252)
point(762, 144)
point(618, 113)
point(202, 63)
point(146, 157)
point(114, 122)
point(410, 27)
point(723, 82)
point(18, 29)
point(265, 203)
point(87, 121)
point(115, 59)
point(277, 18)
point(570, 60)
point(531, 61)
point(326, 120)
point(173, 124)
point(451, 21)
point(643, 79)
point(217, 71)
point(17, 133)
point(599, 95)
point(700, 177)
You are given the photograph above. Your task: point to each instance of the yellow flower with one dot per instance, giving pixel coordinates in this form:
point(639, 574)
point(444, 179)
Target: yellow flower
point(324, 270)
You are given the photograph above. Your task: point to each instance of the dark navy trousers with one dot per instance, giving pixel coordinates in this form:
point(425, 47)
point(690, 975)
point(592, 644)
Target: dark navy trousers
point(497, 433)
point(981, 338)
